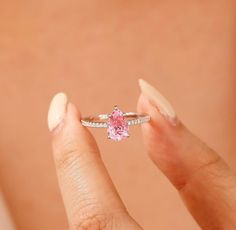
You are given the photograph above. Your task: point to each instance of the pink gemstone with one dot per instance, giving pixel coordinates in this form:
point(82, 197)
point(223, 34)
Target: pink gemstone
point(117, 125)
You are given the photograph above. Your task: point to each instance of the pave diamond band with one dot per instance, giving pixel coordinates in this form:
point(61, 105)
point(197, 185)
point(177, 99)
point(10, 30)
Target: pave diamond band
point(100, 120)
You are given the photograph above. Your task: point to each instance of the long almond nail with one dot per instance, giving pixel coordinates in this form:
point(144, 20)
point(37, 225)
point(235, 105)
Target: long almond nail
point(155, 98)
point(57, 110)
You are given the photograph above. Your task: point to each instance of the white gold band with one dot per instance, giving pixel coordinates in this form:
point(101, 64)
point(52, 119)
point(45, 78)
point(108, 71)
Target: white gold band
point(100, 120)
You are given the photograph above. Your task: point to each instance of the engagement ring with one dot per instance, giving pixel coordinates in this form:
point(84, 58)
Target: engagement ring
point(117, 123)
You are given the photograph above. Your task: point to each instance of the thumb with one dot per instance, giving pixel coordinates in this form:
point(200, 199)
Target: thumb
point(203, 179)
point(90, 197)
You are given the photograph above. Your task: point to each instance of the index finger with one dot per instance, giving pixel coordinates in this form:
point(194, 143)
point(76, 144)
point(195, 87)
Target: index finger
point(203, 179)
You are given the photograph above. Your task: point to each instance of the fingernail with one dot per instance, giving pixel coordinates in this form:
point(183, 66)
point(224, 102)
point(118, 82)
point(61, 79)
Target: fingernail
point(57, 110)
point(156, 99)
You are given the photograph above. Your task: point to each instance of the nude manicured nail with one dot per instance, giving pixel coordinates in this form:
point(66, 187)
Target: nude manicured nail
point(155, 97)
point(57, 110)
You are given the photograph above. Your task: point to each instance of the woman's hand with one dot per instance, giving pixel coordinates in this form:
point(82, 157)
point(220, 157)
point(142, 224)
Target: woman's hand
point(204, 181)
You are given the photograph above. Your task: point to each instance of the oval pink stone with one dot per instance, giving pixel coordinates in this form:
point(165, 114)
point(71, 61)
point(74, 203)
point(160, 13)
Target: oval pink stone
point(117, 126)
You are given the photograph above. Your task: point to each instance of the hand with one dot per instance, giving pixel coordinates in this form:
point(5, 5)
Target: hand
point(204, 181)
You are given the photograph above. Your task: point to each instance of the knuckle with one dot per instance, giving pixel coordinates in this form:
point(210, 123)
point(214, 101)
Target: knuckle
point(93, 222)
point(69, 152)
point(211, 162)
point(208, 167)
point(67, 157)
point(91, 216)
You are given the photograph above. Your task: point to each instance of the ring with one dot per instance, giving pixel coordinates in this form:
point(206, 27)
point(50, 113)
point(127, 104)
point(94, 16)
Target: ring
point(117, 123)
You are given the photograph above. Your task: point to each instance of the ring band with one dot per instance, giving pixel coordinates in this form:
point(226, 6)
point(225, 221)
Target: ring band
point(98, 121)
point(116, 123)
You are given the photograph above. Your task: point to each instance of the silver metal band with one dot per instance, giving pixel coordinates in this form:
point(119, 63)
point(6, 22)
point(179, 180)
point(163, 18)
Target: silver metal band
point(100, 120)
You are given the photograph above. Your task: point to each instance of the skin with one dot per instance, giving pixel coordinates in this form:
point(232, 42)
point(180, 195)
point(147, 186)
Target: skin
point(57, 46)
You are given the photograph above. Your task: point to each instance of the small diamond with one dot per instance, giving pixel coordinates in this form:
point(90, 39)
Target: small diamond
point(117, 126)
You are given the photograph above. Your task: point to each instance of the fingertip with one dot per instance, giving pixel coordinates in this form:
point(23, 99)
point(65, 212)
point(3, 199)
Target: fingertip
point(157, 121)
point(142, 103)
point(72, 114)
point(72, 135)
point(158, 100)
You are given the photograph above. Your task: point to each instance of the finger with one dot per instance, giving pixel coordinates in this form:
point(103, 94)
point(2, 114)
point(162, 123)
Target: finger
point(203, 179)
point(89, 196)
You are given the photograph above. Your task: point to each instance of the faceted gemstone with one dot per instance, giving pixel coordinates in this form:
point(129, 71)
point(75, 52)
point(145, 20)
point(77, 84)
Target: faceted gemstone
point(117, 125)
